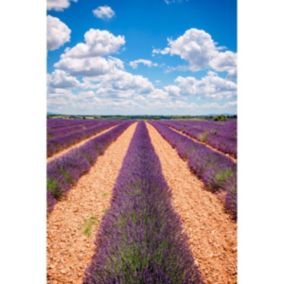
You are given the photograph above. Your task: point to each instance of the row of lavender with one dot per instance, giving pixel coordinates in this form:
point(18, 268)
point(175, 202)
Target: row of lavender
point(57, 131)
point(216, 170)
point(66, 137)
point(222, 134)
point(53, 123)
point(64, 171)
point(140, 239)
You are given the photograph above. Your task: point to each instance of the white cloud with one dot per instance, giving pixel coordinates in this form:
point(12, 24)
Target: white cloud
point(211, 86)
point(200, 51)
point(61, 79)
point(90, 58)
point(158, 94)
point(172, 90)
point(225, 62)
point(92, 66)
point(58, 5)
point(134, 64)
point(119, 83)
point(58, 33)
point(195, 46)
point(97, 43)
point(104, 12)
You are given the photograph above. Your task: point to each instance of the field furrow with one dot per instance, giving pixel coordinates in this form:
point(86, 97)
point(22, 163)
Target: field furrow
point(73, 224)
point(211, 232)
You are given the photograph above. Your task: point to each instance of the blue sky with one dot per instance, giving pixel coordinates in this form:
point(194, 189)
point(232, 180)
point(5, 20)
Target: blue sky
point(194, 73)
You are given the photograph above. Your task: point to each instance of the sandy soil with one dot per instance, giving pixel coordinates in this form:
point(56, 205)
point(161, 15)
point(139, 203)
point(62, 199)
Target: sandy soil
point(69, 249)
point(207, 145)
point(62, 152)
point(211, 232)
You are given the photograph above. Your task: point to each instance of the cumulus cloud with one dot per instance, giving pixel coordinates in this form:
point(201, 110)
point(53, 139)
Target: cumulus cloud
point(90, 66)
point(134, 64)
point(200, 51)
point(225, 62)
point(92, 57)
point(104, 12)
point(195, 46)
point(97, 43)
point(61, 79)
point(58, 33)
point(173, 90)
point(211, 85)
point(58, 5)
point(119, 83)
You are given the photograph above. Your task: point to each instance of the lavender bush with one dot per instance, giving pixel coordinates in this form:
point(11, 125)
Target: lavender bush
point(216, 170)
point(222, 134)
point(64, 171)
point(140, 238)
point(53, 132)
point(53, 123)
point(68, 138)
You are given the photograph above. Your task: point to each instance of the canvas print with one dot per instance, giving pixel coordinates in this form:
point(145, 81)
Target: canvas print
point(141, 141)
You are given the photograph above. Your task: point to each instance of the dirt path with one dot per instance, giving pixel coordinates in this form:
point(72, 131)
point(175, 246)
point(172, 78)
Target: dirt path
point(62, 152)
point(203, 143)
point(212, 234)
point(69, 249)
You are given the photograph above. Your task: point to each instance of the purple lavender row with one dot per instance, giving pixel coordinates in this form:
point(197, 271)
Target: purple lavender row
point(221, 135)
point(215, 170)
point(140, 239)
point(71, 123)
point(64, 171)
point(226, 128)
point(56, 144)
point(53, 123)
point(58, 132)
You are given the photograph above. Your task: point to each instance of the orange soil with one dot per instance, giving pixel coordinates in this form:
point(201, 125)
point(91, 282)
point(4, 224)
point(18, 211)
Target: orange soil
point(212, 235)
point(207, 145)
point(62, 152)
point(69, 250)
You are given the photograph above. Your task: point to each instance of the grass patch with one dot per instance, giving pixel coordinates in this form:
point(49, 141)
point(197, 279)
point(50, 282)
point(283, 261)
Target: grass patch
point(67, 176)
point(105, 194)
point(52, 186)
point(222, 176)
point(88, 225)
point(203, 136)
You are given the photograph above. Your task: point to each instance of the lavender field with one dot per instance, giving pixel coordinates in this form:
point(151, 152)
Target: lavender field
point(130, 201)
